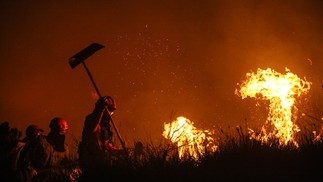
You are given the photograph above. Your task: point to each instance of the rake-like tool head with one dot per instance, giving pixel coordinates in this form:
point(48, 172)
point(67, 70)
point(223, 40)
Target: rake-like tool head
point(84, 54)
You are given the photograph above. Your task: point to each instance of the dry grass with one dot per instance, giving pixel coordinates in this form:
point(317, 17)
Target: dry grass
point(238, 159)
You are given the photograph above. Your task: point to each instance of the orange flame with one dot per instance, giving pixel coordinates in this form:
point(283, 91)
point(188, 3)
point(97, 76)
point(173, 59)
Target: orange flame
point(190, 141)
point(281, 90)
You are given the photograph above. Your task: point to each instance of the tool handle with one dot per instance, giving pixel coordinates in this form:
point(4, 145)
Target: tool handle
point(106, 109)
point(92, 80)
point(115, 128)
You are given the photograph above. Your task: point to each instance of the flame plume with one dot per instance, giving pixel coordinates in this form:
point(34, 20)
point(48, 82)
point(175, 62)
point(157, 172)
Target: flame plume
point(281, 90)
point(190, 141)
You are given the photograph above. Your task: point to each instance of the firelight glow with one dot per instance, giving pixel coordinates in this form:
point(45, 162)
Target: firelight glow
point(281, 90)
point(191, 142)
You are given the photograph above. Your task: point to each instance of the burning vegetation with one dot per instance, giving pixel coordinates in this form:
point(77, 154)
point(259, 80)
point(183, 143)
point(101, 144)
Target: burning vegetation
point(273, 154)
point(192, 154)
point(281, 90)
point(190, 140)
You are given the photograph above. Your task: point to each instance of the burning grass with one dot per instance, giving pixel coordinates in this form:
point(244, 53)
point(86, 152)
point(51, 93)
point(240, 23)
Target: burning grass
point(279, 151)
point(238, 158)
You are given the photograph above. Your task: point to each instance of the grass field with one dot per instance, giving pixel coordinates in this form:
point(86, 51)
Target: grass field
point(237, 159)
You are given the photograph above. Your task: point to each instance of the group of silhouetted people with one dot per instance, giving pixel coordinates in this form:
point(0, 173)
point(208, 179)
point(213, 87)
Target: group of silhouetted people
point(40, 157)
point(36, 157)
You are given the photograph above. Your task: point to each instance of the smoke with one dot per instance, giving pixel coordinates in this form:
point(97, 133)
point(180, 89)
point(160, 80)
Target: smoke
point(161, 60)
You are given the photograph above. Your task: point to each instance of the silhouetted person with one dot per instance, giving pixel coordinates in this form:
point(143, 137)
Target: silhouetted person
point(96, 148)
point(24, 170)
point(4, 162)
point(52, 153)
point(10, 148)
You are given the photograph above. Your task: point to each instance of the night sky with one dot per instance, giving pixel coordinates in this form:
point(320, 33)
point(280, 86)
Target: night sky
point(162, 59)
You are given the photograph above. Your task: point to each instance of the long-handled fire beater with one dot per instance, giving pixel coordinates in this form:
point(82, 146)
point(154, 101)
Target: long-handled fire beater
point(79, 58)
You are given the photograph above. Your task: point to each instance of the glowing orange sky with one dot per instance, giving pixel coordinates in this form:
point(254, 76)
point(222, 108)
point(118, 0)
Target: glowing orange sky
point(161, 60)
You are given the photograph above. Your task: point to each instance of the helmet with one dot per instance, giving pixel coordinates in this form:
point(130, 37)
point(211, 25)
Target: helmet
point(111, 103)
point(33, 131)
point(58, 125)
point(106, 101)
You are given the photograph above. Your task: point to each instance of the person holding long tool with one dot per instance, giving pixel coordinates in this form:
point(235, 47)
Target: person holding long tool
point(96, 150)
point(79, 58)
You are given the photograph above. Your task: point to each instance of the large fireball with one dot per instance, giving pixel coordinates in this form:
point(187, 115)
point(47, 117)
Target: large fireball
point(281, 90)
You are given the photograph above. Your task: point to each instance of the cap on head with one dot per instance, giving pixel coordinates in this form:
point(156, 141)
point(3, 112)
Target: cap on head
point(58, 125)
point(33, 131)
